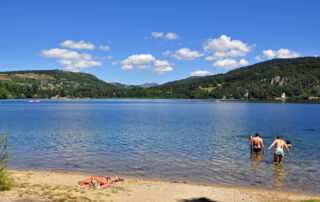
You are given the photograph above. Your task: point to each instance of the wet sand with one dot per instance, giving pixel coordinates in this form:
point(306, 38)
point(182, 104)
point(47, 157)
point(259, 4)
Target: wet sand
point(59, 186)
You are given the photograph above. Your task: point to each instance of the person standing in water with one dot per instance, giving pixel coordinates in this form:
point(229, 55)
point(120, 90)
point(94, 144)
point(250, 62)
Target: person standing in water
point(279, 149)
point(257, 143)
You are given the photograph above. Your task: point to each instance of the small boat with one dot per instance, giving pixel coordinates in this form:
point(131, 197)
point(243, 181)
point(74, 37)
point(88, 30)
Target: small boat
point(31, 101)
point(37, 100)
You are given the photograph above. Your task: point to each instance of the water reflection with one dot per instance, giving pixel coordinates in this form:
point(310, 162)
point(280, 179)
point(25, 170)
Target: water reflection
point(279, 175)
point(256, 161)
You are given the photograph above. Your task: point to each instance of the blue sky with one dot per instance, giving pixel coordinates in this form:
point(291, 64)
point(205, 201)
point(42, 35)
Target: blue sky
point(134, 42)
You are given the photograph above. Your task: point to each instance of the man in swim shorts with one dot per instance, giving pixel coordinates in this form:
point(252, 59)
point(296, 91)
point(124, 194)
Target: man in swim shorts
point(279, 149)
point(257, 143)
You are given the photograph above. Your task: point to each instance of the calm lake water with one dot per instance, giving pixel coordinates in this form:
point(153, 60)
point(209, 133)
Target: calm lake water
point(176, 140)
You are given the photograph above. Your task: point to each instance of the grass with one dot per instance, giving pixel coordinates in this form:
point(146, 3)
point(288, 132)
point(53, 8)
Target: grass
point(62, 199)
point(47, 193)
point(63, 192)
point(36, 185)
point(207, 89)
point(57, 193)
point(85, 198)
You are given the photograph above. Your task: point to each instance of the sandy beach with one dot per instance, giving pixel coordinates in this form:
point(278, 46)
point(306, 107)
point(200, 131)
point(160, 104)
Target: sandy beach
point(58, 186)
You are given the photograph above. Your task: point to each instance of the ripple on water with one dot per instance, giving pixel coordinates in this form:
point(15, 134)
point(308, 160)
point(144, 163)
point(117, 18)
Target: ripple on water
point(165, 139)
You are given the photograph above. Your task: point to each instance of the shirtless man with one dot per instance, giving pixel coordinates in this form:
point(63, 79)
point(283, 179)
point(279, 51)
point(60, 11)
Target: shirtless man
point(257, 143)
point(279, 149)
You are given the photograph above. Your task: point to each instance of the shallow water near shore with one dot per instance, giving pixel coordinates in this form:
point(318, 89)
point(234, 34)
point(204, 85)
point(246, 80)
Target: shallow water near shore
point(177, 140)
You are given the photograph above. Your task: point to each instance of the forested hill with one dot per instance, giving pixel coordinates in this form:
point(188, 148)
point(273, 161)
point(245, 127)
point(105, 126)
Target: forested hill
point(52, 83)
point(298, 79)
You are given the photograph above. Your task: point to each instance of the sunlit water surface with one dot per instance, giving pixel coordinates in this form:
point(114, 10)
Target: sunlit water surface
point(176, 140)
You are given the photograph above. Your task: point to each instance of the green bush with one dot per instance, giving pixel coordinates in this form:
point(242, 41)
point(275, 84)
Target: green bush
point(3, 93)
point(4, 180)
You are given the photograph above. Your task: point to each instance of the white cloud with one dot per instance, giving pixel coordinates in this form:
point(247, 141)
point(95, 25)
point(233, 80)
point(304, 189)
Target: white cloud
point(76, 65)
point(104, 48)
point(162, 66)
point(116, 62)
point(126, 67)
point(141, 61)
point(72, 60)
point(108, 57)
point(60, 53)
point(269, 53)
point(281, 53)
point(224, 44)
point(258, 58)
point(186, 54)
point(145, 61)
point(229, 63)
point(224, 47)
point(210, 58)
point(161, 63)
point(157, 34)
point(77, 45)
point(230, 53)
point(65, 54)
point(201, 73)
point(171, 36)
point(286, 53)
point(166, 53)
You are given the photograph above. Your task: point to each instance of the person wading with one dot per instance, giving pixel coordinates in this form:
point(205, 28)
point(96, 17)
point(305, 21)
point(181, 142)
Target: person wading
point(257, 144)
point(279, 154)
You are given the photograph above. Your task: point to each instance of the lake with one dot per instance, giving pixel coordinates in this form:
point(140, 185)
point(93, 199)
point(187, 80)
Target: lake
point(197, 141)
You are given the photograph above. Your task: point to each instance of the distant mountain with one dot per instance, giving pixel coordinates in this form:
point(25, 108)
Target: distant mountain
point(52, 83)
point(123, 86)
point(148, 85)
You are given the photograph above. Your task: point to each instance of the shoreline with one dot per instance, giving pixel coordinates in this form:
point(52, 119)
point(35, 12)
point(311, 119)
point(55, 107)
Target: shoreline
point(174, 181)
point(50, 185)
point(190, 99)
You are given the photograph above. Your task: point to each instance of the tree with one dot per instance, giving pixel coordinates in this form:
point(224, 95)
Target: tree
point(3, 93)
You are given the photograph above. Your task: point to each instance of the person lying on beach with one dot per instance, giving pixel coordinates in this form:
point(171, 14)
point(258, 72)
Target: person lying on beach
point(257, 143)
point(279, 149)
point(99, 181)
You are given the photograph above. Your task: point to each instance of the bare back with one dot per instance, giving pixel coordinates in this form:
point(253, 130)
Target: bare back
point(257, 141)
point(280, 144)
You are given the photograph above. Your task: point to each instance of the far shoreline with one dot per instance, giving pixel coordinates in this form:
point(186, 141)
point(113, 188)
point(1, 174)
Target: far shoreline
point(188, 99)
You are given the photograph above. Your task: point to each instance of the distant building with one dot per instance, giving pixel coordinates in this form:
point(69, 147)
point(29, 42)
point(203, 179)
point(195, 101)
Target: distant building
point(283, 97)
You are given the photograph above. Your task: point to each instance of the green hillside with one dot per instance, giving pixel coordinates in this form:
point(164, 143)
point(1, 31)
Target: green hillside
point(298, 78)
point(52, 83)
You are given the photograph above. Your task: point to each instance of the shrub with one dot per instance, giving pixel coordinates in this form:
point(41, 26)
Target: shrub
point(4, 180)
point(3, 93)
